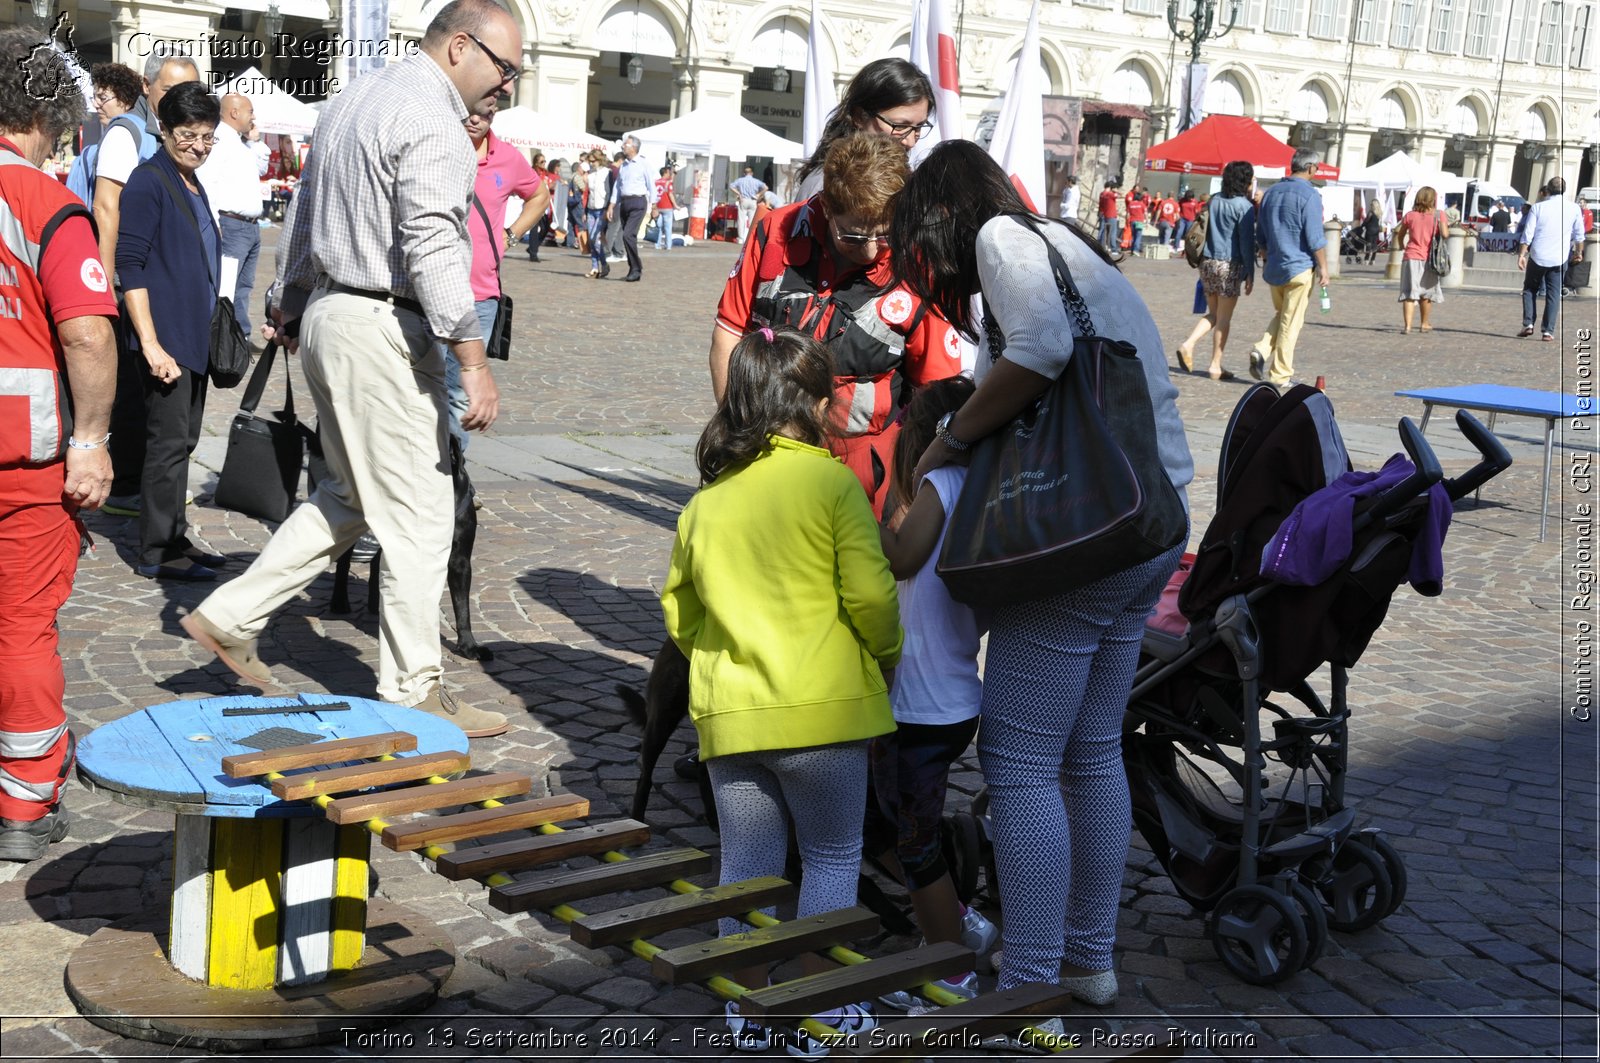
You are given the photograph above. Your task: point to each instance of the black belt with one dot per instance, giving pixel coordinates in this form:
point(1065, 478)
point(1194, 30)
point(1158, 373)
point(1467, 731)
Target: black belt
point(236, 216)
point(382, 297)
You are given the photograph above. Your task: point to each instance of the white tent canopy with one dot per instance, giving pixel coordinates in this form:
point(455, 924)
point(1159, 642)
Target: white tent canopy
point(524, 127)
point(707, 132)
point(1402, 171)
point(276, 110)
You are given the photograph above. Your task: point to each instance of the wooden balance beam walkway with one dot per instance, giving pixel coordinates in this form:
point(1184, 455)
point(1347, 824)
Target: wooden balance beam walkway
point(422, 784)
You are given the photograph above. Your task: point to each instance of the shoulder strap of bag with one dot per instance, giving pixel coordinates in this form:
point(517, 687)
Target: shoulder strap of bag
point(494, 241)
point(1077, 308)
point(188, 212)
point(258, 383)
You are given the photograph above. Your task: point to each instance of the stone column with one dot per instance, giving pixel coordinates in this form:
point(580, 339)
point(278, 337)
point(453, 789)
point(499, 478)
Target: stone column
point(563, 85)
point(1331, 229)
point(1591, 252)
point(1456, 241)
point(526, 92)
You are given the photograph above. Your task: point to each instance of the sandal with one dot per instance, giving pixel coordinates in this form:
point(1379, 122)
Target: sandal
point(1185, 361)
point(1219, 374)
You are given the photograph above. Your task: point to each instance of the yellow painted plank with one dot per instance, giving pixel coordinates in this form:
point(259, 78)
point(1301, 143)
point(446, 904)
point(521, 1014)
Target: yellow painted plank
point(246, 886)
point(349, 918)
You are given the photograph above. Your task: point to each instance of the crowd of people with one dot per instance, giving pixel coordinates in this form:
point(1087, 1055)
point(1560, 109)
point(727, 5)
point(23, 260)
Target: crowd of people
point(831, 693)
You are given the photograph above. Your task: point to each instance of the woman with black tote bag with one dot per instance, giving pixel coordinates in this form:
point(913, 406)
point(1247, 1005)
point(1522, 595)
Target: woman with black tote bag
point(1061, 657)
point(169, 261)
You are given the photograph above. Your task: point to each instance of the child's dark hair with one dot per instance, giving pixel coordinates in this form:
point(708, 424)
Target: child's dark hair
point(917, 431)
point(776, 378)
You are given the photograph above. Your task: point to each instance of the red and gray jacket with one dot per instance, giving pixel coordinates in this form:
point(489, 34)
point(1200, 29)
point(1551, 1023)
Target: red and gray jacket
point(35, 417)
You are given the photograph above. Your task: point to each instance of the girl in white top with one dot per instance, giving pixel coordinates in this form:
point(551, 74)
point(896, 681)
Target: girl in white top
point(936, 691)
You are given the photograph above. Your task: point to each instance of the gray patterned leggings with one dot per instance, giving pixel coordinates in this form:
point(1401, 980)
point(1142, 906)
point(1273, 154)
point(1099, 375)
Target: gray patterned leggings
point(823, 789)
point(1055, 685)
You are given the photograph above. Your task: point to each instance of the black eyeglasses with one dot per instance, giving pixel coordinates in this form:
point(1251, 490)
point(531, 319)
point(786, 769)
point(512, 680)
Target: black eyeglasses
point(507, 71)
point(901, 130)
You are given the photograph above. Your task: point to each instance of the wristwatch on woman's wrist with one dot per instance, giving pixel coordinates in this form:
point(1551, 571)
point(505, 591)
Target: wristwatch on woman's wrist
point(947, 437)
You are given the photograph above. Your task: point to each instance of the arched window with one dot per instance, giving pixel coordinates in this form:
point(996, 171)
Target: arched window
point(1130, 84)
point(1224, 95)
point(1390, 112)
point(636, 29)
point(1533, 126)
point(1310, 104)
point(1464, 119)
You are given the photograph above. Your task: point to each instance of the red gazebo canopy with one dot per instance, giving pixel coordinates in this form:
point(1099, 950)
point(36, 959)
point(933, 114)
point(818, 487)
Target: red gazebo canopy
point(1219, 140)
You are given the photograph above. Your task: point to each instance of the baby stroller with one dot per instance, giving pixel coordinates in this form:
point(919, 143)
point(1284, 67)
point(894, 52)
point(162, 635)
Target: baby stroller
point(1254, 829)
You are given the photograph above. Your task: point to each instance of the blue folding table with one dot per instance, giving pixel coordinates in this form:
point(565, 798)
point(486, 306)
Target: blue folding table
point(1518, 402)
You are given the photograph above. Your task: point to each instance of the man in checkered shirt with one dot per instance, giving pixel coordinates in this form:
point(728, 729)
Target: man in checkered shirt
point(375, 264)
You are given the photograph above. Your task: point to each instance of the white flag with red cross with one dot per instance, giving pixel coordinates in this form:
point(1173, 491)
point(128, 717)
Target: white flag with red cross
point(1018, 144)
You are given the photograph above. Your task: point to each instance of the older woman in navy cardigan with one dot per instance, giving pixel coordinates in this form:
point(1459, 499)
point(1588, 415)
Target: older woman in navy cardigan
point(169, 262)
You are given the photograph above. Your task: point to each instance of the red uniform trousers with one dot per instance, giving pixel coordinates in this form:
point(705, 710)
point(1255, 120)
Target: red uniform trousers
point(38, 559)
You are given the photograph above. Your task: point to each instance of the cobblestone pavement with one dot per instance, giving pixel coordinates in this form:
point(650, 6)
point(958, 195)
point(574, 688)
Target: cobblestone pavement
point(1462, 746)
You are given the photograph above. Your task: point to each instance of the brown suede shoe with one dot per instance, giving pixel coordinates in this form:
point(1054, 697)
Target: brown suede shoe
point(474, 723)
point(238, 654)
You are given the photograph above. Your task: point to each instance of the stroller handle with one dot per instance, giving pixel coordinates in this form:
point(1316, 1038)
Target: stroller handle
point(1426, 475)
point(1496, 459)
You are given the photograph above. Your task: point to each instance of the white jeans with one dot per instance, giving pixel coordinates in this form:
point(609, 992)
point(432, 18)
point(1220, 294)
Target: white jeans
point(747, 215)
point(377, 381)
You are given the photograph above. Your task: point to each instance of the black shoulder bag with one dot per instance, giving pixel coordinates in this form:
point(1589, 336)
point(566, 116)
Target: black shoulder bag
point(498, 343)
point(1071, 491)
point(230, 350)
point(262, 466)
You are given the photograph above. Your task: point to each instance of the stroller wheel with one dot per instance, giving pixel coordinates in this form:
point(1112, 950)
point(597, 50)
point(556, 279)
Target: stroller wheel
point(1258, 934)
point(1316, 920)
point(1392, 863)
point(1356, 887)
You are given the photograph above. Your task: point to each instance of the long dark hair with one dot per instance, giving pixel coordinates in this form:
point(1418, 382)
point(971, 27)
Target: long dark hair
point(881, 85)
point(917, 430)
point(1236, 178)
point(776, 378)
point(934, 234)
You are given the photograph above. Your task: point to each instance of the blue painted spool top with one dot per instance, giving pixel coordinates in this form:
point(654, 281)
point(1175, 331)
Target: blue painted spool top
point(170, 756)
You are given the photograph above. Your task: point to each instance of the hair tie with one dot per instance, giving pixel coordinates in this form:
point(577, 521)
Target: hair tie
point(766, 334)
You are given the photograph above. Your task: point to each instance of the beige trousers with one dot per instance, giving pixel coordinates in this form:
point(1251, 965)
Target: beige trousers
point(1289, 302)
point(377, 381)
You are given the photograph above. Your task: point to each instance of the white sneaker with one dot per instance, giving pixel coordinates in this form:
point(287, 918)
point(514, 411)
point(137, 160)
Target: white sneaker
point(850, 1020)
point(977, 933)
point(748, 1035)
point(905, 1000)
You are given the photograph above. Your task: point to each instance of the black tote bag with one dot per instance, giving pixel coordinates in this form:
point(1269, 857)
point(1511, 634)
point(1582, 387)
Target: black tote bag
point(262, 465)
point(1071, 491)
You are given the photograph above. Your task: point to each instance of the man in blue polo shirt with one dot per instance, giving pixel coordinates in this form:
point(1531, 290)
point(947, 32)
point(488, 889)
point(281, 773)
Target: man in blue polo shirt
point(1289, 232)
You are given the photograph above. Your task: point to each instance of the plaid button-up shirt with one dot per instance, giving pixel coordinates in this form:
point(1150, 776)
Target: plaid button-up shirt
point(382, 204)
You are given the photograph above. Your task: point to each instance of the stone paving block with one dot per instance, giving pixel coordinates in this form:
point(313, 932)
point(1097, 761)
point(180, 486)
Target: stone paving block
point(513, 997)
point(623, 993)
point(1327, 1046)
point(568, 976)
point(512, 958)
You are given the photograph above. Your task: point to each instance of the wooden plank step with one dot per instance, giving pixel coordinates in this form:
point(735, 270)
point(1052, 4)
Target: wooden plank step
point(679, 910)
point(962, 1025)
point(545, 849)
point(362, 776)
point(247, 765)
point(560, 887)
point(362, 807)
point(693, 963)
point(439, 830)
point(816, 993)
